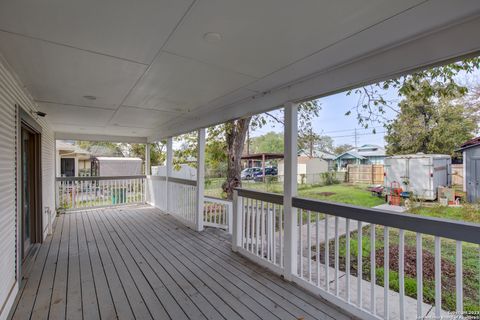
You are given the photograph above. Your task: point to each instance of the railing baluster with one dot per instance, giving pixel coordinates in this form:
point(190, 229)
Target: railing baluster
point(262, 228)
point(386, 271)
point(269, 233)
point(372, 269)
point(459, 276)
point(309, 244)
point(337, 240)
point(438, 278)
point(274, 228)
point(257, 228)
point(419, 275)
point(327, 255)
point(300, 237)
point(281, 212)
point(347, 258)
point(401, 272)
point(359, 263)
point(247, 231)
point(317, 245)
point(242, 205)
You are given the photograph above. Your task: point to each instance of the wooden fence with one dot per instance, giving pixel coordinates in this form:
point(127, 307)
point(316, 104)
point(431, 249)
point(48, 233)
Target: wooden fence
point(365, 173)
point(457, 174)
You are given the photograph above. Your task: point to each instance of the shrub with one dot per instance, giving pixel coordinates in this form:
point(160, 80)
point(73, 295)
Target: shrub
point(329, 178)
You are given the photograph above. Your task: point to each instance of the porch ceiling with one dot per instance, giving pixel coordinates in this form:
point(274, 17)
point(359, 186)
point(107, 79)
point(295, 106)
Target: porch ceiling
point(153, 73)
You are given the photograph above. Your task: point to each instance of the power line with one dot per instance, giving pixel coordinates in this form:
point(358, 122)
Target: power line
point(346, 130)
point(358, 134)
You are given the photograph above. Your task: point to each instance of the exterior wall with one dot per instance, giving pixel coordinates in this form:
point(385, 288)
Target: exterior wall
point(12, 93)
point(315, 166)
point(470, 179)
point(375, 160)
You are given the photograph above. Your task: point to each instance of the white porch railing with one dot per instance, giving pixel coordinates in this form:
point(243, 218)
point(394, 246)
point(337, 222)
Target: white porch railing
point(89, 192)
point(326, 269)
point(217, 213)
point(182, 201)
point(261, 232)
point(156, 192)
point(175, 196)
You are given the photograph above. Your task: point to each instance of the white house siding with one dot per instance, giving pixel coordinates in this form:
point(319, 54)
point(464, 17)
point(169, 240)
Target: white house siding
point(12, 93)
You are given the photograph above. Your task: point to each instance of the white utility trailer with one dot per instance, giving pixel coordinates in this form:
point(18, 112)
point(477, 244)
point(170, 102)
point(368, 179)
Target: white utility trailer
point(420, 174)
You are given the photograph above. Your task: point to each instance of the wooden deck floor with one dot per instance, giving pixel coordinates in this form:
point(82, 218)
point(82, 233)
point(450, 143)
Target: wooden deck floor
point(137, 263)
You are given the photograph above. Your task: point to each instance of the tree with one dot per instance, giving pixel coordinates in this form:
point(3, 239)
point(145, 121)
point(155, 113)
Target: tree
point(309, 141)
point(271, 142)
point(235, 132)
point(109, 147)
point(430, 100)
point(157, 151)
point(430, 124)
point(338, 150)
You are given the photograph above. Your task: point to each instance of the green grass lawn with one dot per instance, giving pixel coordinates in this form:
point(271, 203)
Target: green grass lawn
point(360, 196)
point(342, 193)
point(467, 212)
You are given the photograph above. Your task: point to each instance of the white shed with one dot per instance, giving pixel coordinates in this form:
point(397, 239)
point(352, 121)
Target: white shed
point(420, 173)
point(308, 169)
point(118, 166)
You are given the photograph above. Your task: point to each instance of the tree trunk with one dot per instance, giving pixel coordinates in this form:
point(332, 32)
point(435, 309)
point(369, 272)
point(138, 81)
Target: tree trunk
point(235, 134)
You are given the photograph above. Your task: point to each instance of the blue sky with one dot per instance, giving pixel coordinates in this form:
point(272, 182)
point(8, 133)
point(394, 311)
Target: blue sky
point(332, 120)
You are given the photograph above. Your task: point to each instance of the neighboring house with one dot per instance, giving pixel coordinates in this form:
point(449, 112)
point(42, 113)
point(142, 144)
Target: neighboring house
point(72, 161)
point(308, 169)
point(471, 168)
point(330, 158)
point(366, 154)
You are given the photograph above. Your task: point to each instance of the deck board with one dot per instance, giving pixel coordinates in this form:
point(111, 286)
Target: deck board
point(137, 263)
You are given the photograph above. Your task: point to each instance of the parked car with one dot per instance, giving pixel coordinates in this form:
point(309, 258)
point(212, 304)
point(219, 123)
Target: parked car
point(249, 173)
point(269, 171)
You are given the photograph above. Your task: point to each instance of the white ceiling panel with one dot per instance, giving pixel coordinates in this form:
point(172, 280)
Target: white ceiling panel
point(128, 131)
point(133, 30)
point(259, 37)
point(76, 115)
point(179, 84)
point(140, 118)
point(81, 129)
point(394, 31)
point(60, 74)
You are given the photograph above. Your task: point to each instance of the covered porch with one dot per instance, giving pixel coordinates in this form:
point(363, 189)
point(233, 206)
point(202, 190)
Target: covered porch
point(154, 246)
point(137, 262)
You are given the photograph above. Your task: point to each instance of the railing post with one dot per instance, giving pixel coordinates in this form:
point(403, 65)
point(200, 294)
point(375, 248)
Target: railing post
point(147, 159)
point(168, 173)
point(229, 208)
point(200, 179)
point(237, 222)
point(290, 190)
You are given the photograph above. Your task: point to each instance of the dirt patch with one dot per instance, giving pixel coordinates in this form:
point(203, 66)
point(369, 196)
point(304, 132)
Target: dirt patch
point(410, 266)
point(326, 194)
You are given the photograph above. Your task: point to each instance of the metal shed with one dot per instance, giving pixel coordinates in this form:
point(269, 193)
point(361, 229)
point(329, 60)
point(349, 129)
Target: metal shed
point(471, 168)
point(419, 173)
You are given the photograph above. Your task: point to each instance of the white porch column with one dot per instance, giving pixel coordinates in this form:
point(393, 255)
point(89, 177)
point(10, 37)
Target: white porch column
point(290, 189)
point(200, 179)
point(147, 159)
point(168, 173)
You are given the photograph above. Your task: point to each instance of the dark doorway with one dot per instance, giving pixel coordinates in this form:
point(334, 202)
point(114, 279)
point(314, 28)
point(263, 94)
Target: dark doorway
point(67, 167)
point(31, 216)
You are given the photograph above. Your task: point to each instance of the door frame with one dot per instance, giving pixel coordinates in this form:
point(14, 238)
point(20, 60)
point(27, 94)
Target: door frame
point(25, 121)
